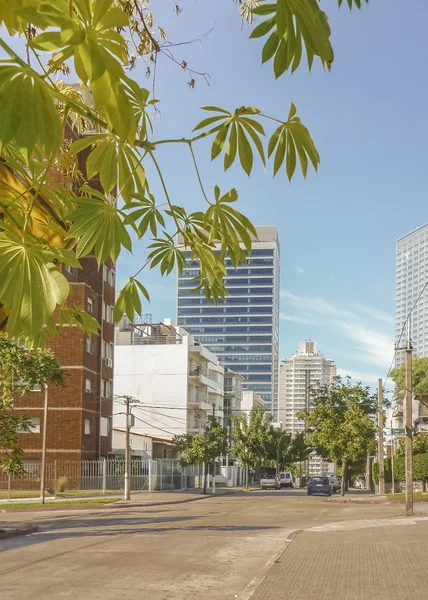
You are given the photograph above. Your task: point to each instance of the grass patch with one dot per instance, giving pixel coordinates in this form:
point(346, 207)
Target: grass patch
point(68, 494)
point(50, 505)
point(22, 494)
point(402, 496)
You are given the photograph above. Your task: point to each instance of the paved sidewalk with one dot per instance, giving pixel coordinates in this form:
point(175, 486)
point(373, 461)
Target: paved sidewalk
point(355, 560)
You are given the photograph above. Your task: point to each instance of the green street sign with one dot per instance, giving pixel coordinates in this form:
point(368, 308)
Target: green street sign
point(399, 431)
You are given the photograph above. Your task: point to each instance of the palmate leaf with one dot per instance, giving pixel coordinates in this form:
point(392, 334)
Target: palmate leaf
point(295, 23)
point(238, 129)
point(89, 35)
point(115, 162)
point(228, 225)
point(147, 211)
point(129, 302)
point(166, 254)
point(98, 226)
point(291, 140)
point(38, 287)
point(29, 117)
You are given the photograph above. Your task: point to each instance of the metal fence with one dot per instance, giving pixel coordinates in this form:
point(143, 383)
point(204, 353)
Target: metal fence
point(106, 476)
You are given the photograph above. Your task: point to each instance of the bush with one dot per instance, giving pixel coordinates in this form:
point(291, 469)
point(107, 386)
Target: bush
point(61, 484)
point(420, 469)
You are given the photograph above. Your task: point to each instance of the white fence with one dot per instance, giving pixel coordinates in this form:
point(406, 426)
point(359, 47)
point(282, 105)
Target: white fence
point(106, 475)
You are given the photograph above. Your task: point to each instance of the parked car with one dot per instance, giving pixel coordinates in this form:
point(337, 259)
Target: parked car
point(269, 482)
point(319, 485)
point(285, 480)
point(334, 481)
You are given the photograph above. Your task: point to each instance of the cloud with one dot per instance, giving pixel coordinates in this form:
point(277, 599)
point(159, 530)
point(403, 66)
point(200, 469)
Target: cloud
point(296, 319)
point(315, 304)
point(299, 270)
point(363, 327)
point(375, 313)
point(375, 347)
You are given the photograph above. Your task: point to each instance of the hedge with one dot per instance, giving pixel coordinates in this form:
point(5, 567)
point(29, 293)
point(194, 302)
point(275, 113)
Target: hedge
point(420, 469)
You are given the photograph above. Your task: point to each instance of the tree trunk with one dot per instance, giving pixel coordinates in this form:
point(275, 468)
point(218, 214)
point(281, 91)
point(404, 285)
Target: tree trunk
point(344, 477)
point(205, 477)
point(246, 477)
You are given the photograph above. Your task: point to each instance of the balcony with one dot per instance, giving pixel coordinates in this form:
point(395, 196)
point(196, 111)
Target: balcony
point(196, 425)
point(200, 374)
point(199, 399)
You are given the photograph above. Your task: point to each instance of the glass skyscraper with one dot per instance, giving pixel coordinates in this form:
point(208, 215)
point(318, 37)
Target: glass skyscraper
point(411, 275)
point(243, 331)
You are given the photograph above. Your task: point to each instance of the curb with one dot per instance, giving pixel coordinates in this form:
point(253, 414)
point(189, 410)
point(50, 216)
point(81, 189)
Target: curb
point(386, 501)
point(255, 583)
point(17, 532)
point(106, 506)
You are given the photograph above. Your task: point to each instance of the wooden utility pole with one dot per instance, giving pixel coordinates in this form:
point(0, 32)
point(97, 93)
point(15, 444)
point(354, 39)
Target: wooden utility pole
point(380, 451)
point(409, 424)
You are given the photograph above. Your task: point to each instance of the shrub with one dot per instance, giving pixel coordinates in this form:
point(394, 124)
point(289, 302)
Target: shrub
point(420, 469)
point(61, 484)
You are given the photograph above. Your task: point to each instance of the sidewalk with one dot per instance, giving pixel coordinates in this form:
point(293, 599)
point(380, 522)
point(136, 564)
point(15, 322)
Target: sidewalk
point(354, 560)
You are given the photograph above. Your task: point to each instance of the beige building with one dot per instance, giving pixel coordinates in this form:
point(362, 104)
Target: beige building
point(305, 369)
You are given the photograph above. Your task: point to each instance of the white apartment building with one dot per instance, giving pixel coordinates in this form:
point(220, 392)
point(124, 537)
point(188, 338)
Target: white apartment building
point(176, 381)
point(300, 372)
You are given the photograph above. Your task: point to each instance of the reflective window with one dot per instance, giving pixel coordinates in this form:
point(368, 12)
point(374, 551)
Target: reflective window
point(232, 339)
point(261, 291)
point(195, 300)
point(223, 310)
point(231, 320)
point(230, 329)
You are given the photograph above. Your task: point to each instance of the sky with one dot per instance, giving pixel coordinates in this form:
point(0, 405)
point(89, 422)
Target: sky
point(338, 228)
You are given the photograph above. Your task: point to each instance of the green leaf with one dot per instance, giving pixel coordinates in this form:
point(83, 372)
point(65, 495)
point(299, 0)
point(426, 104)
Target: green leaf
point(255, 138)
point(29, 117)
point(245, 152)
point(219, 141)
point(280, 153)
point(38, 287)
point(263, 28)
point(98, 227)
point(231, 148)
point(128, 301)
point(291, 157)
point(207, 122)
point(351, 2)
point(270, 47)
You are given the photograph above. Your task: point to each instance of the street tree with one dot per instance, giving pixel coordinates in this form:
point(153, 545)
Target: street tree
point(300, 450)
point(419, 378)
point(341, 422)
point(251, 435)
point(20, 372)
point(203, 448)
point(101, 129)
point(278, 448)
point(420, 445)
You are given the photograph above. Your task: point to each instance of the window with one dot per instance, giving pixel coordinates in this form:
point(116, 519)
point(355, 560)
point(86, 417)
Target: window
point(104, 426)
point(71, 270)
point(106, 388)
point(89, 345)
point(34, 425)
point(87, 426)
point(88, 385)
point(109, 276)
point(31, 466)
point(90, 306)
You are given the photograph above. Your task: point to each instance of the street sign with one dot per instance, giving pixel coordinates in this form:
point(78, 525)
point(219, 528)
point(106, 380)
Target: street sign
point(399, 431)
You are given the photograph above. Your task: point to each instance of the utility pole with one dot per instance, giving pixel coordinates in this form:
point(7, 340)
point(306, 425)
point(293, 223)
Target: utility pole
point(392, 460)
point(380, 451)
point(127, 488)
point(213, 474)
point(44, 443)
point(409, 424)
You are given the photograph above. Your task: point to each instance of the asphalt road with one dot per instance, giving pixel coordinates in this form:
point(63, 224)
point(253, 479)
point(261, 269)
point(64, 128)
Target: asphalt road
point(216, 548)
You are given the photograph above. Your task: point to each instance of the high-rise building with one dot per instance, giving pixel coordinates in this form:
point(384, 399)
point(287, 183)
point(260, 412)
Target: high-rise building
point(411, 274)
point(410, 277)
point(243, 330)
point(298, 374)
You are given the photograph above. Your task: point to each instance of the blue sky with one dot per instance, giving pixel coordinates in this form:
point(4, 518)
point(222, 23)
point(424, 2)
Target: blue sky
point(338, 228)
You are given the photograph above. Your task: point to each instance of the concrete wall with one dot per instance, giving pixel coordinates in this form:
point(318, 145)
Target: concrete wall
point(157, 375)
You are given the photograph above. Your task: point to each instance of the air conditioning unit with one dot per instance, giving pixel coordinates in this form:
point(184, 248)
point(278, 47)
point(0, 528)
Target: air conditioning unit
point(108, 362)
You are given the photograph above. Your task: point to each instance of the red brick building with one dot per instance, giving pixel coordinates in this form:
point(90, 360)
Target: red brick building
point(80, 415)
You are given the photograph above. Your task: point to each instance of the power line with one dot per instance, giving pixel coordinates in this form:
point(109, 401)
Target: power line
point(402, 330)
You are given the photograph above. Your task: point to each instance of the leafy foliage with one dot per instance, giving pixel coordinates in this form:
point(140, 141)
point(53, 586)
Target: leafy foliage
point(251, 436)
point(20, 372)
point(419, 377)
point(73, 176)
point(340, 423)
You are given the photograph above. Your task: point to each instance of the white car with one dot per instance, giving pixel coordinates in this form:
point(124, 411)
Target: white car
point(285, 480)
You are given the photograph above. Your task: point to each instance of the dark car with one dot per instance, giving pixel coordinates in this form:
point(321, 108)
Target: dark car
point(319, 485)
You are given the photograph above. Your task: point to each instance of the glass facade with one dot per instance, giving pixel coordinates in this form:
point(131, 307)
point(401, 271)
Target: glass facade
point(243, 330)
point(410, 276)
